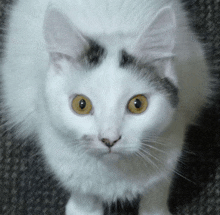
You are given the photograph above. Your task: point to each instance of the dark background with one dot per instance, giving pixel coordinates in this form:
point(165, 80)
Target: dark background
point(26, 188)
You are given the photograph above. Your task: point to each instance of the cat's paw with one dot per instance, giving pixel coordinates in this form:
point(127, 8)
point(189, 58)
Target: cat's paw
point(76, 211)
point(87, 206)
point(156, 213)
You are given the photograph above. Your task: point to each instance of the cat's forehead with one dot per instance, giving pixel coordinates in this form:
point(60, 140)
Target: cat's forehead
point(110, 75)
point(111, 78)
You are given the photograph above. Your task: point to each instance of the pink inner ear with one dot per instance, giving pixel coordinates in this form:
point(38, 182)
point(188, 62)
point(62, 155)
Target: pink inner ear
point(158, 39)
point(61, 35)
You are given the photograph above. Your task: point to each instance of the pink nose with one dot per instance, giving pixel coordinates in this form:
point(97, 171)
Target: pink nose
point(109, 143)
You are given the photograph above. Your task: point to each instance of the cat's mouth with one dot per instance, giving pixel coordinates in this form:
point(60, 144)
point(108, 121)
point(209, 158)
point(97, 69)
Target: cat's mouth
point(114, 154)
point(106, 153)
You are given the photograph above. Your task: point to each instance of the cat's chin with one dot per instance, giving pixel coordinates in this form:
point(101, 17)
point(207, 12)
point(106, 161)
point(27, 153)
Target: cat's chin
point(109, 155)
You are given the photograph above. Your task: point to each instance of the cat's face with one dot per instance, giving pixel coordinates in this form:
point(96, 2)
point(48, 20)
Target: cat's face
point(101, 95)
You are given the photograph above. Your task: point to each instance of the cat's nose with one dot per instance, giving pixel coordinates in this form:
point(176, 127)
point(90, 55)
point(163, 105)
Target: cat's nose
point(110, 143)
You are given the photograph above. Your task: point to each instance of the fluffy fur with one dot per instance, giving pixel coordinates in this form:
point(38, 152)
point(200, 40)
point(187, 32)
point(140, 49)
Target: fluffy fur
point(45, 66)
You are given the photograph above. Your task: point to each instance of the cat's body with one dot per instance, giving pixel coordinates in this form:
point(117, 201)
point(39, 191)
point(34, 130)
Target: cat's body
point(109, 52)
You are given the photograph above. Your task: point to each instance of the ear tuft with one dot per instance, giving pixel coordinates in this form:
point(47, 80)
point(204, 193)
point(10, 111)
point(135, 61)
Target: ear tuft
point(62, 36)
point(158, 39)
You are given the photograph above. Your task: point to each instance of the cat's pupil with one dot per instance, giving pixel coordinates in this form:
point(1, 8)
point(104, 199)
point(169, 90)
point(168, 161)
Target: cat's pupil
point(82, 104)
point(137, 103)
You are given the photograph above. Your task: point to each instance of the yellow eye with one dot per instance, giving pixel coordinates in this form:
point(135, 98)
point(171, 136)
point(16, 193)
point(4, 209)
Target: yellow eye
point(81, 105)
point(138, 104)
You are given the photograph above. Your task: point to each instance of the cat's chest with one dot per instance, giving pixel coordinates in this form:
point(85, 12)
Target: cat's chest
point(109, 181)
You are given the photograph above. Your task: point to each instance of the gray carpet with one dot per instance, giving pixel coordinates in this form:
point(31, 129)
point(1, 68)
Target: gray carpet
point(26, 187)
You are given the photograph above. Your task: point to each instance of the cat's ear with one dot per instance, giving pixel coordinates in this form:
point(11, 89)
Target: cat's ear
point(158, 39)
point(62, 36)
point(157, 42)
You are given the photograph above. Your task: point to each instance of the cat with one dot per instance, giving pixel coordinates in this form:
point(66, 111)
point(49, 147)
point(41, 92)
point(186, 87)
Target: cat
point(108, 89)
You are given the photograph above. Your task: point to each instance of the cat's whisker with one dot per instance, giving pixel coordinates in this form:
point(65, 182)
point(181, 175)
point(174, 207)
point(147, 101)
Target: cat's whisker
point(182, 176)
point(155, 148)
point(157, 140)
point(150, 137)
point(148, 153)
point(180, 160)
point(182, 157)
point(165, 152)
point(142, 157)
point(159, 170)
point(189, 152)
point(82, 151)
point(77, 146)
point(169, 169)
point(164, 140)
point(146, 158)
point(145, 150)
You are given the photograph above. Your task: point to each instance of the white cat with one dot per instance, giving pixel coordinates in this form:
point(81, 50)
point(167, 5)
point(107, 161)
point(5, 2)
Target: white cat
point(108, 88)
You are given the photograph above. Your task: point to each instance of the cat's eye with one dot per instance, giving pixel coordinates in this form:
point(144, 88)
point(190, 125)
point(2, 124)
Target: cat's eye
point(138, 104)
point(81, 105)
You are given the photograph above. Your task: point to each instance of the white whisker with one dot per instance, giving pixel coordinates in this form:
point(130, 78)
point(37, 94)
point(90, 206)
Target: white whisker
point(142, 158)
point(146, 158)
point(155, 148)
point(157, 140)
point(179, 174)
point(189, 152)
point(168, 168)
point(148, 153)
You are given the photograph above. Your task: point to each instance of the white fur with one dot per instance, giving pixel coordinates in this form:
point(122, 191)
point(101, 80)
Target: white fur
point(37, 99)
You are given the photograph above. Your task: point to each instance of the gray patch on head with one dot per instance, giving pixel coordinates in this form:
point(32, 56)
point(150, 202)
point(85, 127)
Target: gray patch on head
point(149, 71)
point(171, 90)
point(93, 55)
point(126, 59)
point(132, 63)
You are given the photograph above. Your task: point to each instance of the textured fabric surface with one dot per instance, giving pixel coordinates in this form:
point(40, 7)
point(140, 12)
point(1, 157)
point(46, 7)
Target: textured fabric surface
point(27, 187)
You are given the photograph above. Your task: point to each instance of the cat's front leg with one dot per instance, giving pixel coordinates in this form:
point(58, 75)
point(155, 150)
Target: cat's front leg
point(154, 202)
point(80, 204)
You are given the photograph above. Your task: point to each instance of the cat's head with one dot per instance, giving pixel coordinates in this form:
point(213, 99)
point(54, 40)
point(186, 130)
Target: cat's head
point(109, 93)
